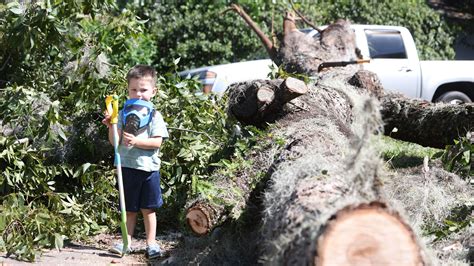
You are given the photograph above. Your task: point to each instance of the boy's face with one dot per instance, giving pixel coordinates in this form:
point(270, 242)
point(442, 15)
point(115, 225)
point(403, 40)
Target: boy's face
point(141, 88)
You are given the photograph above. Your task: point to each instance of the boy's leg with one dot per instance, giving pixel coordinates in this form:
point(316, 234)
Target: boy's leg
point(131, 221)
point(132, 182)
point(117, 248)
point(149, 219)
point(149, 201)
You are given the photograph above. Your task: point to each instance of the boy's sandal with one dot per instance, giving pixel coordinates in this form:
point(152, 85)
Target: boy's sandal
point(117, 248)
point(154, 251)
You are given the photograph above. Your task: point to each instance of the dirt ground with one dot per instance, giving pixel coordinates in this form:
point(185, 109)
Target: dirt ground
point(95, 252)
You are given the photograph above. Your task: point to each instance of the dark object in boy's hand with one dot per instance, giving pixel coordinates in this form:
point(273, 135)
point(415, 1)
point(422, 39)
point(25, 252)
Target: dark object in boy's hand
point(132, 125)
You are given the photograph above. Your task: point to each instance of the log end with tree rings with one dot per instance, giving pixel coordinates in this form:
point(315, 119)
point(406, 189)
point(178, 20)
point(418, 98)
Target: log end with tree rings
point(265, 95)
point(199, 220)
point(296, 86)
point(368, 235)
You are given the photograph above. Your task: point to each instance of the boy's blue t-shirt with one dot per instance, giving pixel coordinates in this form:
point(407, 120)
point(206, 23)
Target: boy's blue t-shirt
point(144, 159)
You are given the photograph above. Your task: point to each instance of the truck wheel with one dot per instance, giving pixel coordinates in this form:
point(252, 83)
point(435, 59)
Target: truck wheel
point(454, 97)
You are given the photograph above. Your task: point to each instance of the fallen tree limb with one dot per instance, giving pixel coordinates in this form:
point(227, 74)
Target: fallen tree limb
point(428, 124)
point(418, 121)
point(226, 197)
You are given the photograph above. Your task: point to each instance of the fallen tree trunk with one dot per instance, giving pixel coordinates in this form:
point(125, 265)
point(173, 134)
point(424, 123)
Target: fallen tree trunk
point(324, 203)
point(315, 180)
point(417, 122)
point(367, 235)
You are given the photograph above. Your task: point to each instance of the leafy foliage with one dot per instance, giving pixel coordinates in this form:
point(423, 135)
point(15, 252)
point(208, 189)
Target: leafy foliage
point(44, 204)
point(55, 156)
point(459, 158)
point(198, 128)
point(460, 218)
point(199, 33)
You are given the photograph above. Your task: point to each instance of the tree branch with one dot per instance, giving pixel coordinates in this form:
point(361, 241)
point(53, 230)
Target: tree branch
point(267, 43)
point(304, 18)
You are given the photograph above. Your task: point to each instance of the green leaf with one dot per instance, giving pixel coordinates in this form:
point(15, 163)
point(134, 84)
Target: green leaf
point(61, 134)
point(467, 156)
point(58, 241)
point(2, 223)
point(85, 167)
point(77, 173)
point(19, 164)
point(453, 228)
point(16, 10)
point(66, 211)
point(44, 215)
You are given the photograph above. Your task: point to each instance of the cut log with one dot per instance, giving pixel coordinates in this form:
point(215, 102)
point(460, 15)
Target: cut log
point(367, 235)
point(290, 89)
point(323, 206)
point(263, 101)
point(202, 217)
point(265, 95)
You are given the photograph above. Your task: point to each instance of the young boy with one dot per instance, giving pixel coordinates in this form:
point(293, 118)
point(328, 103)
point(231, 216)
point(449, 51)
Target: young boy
point(139, 154)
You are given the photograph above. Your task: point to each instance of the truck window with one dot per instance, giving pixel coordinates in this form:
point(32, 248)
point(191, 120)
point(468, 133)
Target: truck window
point(385, 44)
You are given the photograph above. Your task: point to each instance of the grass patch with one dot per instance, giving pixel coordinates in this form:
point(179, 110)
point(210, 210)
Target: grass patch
point(402, 154)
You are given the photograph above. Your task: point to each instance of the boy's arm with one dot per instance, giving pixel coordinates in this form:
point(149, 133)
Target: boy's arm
point(147, 144)
point(158, 134)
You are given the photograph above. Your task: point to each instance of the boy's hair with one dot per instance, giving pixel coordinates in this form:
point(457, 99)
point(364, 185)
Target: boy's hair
point(141, 71)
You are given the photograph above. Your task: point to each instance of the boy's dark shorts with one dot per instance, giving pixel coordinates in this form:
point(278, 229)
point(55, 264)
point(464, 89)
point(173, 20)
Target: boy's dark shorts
point(142, 189)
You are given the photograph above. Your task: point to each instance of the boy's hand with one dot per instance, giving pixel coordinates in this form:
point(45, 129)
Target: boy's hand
point(129, 139)
point(106, 120)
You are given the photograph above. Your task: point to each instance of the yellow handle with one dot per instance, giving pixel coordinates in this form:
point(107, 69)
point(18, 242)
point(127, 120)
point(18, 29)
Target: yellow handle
point(111, 103)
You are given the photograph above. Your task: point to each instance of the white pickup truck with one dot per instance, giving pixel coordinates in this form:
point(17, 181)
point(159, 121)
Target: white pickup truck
point(394, 59)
